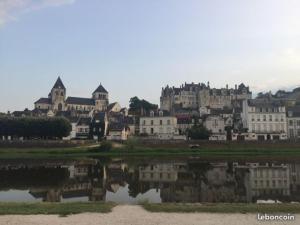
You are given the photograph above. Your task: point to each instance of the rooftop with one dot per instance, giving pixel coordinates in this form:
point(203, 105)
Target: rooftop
point(80, 101)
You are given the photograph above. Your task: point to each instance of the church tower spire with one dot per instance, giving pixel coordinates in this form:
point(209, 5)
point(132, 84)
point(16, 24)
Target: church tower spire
point(100, 95)
point(58, 96)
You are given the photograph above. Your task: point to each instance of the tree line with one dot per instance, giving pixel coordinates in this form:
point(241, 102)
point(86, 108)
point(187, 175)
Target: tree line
point(29, 127)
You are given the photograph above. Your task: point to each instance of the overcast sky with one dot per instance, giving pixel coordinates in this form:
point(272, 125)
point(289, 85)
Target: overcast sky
point(134, 47)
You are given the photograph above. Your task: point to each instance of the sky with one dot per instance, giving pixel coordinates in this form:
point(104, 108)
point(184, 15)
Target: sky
point(135, 47)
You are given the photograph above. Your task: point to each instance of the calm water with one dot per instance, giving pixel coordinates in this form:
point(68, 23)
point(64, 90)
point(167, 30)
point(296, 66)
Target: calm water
point(153, 180)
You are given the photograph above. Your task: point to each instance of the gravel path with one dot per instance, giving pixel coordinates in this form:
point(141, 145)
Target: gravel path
point(135, 215)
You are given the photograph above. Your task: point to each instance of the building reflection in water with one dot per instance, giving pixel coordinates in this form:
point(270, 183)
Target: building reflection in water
point(190, 180)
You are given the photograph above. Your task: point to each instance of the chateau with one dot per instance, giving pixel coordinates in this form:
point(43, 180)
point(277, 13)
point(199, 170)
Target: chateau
point(57, 100)
point(195, 96)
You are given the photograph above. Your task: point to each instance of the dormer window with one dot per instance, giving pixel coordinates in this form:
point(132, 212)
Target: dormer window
point(151, 113)
point(161, 113)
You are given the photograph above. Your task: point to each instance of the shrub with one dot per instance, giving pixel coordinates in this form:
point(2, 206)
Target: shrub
point(105, 146)
point(131, 143)
point(199, 132)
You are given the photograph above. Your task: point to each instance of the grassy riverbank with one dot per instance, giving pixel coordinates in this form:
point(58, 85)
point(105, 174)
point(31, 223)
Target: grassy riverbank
point(54, 208)
point(79, 152)
point(64, 209)
point(223, 208)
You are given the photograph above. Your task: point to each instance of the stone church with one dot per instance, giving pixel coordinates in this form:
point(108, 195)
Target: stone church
point(57, 100)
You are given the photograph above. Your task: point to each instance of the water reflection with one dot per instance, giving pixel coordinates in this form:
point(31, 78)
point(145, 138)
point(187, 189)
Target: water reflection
point(119, 180)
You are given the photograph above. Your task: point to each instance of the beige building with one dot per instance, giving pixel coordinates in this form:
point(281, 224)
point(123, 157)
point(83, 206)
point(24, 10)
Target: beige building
point(159, 125)
point(269, 179)
point(57, 100)
point(194, 96)
point(167, 172)
point(293, 122)
point(216, 125)
point(265, 118)
point(118, 132)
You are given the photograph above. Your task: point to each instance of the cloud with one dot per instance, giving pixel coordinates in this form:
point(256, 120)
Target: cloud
point(10, 10)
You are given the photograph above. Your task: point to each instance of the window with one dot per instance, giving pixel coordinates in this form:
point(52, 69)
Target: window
point(298, 123)
point(144, 122)
point(291, 131)
point(169, 122)
point(151, 122)
point(291, 123)
point(270, 118)
point(265, 118)
point(160, 122)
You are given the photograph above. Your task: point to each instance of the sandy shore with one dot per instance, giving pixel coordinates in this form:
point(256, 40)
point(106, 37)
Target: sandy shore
point(135, 215)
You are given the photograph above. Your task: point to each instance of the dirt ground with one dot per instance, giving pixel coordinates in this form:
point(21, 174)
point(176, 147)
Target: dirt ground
point(135, 215)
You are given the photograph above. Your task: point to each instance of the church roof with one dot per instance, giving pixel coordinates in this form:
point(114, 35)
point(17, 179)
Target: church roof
point(59, 84)
point(80, 101)
point(111, 106)
point(43, 101)
point(100, 89)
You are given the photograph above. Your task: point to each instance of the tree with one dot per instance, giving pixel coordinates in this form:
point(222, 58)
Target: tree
point(199, 132)
point(136, 105)
point(30, 127)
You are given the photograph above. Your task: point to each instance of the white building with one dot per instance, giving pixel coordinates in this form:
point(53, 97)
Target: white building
point(265, 118)
point(118, 132)
point(269, 179)
point(216, 125)
point(293, 122)
point(159, 125)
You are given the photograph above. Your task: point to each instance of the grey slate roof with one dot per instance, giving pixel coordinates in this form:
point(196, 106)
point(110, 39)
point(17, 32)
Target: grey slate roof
point(59, 84)
point(84, 121)
point(43, 101)
point(116, 126)
point(295, 111)
point(265, 103)
point(100, 89)
point(110, 106)
point(99, 116)
point(80, 101)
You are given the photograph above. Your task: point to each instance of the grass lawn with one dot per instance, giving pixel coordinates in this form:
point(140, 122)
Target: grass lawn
point(54, 208)
point(223, 208)
point(79, 152)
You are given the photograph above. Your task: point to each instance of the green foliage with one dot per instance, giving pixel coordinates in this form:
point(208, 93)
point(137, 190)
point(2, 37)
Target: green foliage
point(30, 127)
point(105, 146)
point(137, 104)
point(54, 208)
point(198, 132)
point(131, 143)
